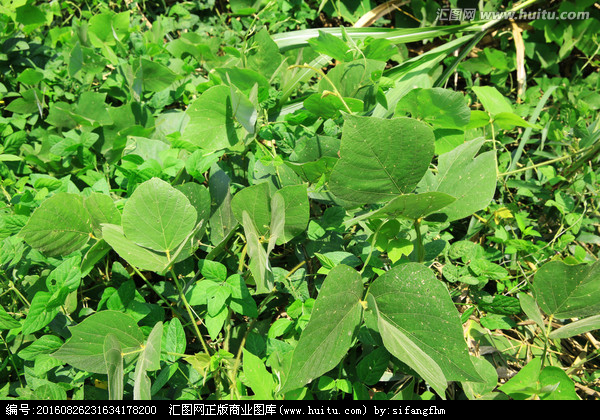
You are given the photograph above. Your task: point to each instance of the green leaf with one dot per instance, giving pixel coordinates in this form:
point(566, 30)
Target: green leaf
point(331, 45)
point(158, 216)
point(50, 391)
point(155, 76)
point(92, 110)
point(174, 340)
point(254, 200)
point(508, 120)
point(60, 225)
point(30, 16)
point(151, 353)
point(113, 358)
point(405, 349)
point(102, 209)
point(297, 211)
point(142, 258)
point(200, 362)
point(550, 383)
point(108, 27)
point(380, 158)
point(497, 322)
point(371, 368)
point(329, 106)
point(211, 126)
point(410, 299)
point(568, 291)
point(201, 161)
point(264, 57)
point(241, 301)
point(142, 387)
point(356, 80)
point(277, 221)
point(222, 220)
point(45, 344)
point(472, 180)
point(442, 108)
point(39, 315)
point(578, 327)
point(531, 309)
point(259, 260)
point(259, 379)
point(487, 371)
point(149, 359)
point(85, 349)
point(493, 101)
point(213, 270)
point(408, 206)
point(7, 322)
point(331, 330)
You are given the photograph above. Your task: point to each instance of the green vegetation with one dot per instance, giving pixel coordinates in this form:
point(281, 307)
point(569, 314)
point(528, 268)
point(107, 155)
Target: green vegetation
point(282, 199)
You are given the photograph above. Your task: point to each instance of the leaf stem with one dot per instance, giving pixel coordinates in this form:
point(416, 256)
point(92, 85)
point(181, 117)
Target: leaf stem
point(335, 91)
point(372, 246)
point(546, 340)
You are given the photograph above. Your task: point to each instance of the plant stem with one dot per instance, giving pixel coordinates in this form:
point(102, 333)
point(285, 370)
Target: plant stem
point(139, 273)
point(548, 162)
point(11, 286)
point(12, 362)
point(189, 311)
point(420, 246)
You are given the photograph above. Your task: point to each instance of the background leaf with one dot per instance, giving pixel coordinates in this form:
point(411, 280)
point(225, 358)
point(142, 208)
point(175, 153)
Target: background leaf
point(211, 126)
point(60, 225)
point(380, 158)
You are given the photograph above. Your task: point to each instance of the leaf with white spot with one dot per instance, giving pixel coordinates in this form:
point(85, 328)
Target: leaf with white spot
point(418, 311)
point(568, 291)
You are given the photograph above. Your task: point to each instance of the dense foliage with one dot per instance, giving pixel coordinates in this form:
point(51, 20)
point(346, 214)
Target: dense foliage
point(288, 200)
